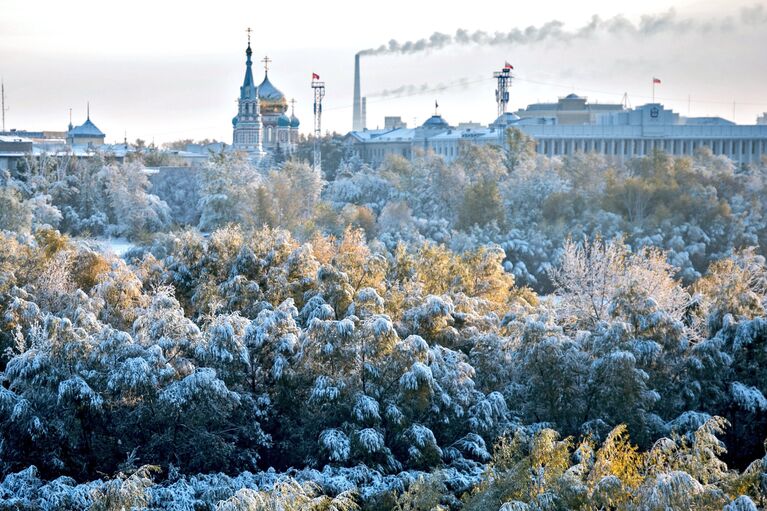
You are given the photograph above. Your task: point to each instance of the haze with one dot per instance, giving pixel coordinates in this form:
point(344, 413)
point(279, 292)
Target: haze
point(169, 70)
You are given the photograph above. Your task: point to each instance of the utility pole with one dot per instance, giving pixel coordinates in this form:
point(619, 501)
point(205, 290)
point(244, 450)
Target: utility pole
point(319, 92)
point(2, 107)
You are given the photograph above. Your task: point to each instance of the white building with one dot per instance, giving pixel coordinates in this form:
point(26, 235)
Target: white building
point(614, 132)
point(12, 149)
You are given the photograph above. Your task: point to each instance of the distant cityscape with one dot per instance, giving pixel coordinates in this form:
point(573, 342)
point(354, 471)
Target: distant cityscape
point(263, 126)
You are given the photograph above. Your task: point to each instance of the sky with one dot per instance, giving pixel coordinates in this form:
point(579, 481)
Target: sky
point(169, 70)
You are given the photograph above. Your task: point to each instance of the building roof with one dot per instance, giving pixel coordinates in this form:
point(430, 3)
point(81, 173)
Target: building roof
point(14, 138)
point(267, 91)
point(86, 129)
point(707, 121)
point(436, 121)
point(506, 119)
point(384, 135)
point(248, 89)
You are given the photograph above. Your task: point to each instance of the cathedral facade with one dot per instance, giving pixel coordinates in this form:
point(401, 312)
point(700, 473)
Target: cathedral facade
point(262, 124)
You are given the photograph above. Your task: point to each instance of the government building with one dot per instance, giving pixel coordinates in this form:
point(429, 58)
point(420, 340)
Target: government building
point(573, 125)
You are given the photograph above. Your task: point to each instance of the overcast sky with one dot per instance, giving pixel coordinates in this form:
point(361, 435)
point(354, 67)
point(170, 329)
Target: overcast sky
point(167, 70)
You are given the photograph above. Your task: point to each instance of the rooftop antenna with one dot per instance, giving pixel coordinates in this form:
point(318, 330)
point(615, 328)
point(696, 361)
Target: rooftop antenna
point(88, 110)
point(319, 92)
point(625, 101)
point(2, 107)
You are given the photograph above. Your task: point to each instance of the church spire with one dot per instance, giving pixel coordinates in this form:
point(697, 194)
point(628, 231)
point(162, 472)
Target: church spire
point(248, 83)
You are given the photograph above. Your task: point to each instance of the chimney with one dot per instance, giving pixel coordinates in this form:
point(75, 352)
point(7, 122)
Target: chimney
point(364, 114)
point(357, 124)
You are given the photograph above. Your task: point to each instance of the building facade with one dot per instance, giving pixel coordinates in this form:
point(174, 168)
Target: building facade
point(262, 124)
point(87, 134)
point(13, 148)
point(571, 109)
point(618, 133)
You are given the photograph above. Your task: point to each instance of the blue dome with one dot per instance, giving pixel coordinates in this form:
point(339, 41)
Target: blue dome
point(268, 92)
point(294, 122)
point(283, 121)
point(506, 119)
point(436, 121)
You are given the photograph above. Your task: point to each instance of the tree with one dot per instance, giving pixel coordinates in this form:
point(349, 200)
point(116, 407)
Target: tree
point(15, 215)
point(594, 274)
point(481, 205)
point(519, 149)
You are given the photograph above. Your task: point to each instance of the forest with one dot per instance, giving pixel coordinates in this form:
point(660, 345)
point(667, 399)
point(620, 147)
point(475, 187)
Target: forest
point(506, 332)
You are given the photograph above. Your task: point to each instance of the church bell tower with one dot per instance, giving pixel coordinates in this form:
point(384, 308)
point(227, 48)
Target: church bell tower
point(248, 126)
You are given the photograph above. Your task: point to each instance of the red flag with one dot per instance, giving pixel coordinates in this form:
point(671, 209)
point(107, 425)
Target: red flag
point(655, 80)
point(315, 76)
point(508, 66)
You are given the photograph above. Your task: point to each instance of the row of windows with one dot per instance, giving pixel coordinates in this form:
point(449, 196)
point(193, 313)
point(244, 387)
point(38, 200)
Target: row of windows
point(446, 150)
point(377, 153)
point(247, 108)
point(738, 149)
point(632, 147)
point(247, 137)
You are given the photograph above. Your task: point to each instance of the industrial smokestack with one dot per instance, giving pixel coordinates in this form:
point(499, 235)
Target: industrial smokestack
point(357, 122)
point(364, 114)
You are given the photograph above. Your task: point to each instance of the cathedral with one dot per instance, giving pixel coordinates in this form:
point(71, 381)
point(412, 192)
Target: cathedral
point(262, 125)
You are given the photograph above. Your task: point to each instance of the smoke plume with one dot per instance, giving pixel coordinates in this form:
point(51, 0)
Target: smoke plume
point(554, 31)
point(412, 89)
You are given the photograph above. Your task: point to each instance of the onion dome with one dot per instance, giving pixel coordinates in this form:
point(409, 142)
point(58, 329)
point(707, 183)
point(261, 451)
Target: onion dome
point(283, 121)
point(294, 122)
point(271, 98)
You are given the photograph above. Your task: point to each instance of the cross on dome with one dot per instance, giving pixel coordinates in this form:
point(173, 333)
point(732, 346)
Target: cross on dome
point(266, 62)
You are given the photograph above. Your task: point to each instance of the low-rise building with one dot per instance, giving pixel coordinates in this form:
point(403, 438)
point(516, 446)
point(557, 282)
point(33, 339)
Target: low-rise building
point(12, 149)
point(618, 133)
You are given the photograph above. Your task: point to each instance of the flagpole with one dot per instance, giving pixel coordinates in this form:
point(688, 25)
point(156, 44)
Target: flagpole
point(653, 90)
